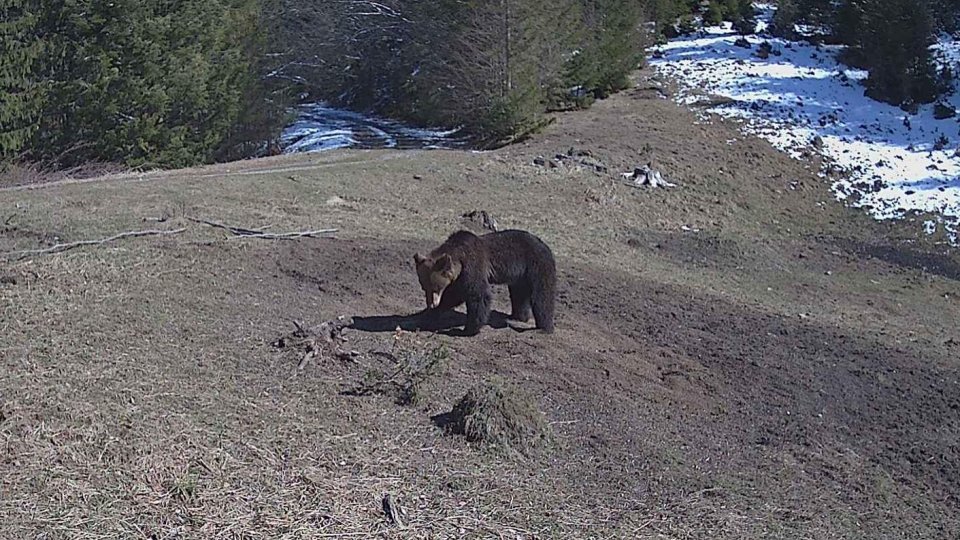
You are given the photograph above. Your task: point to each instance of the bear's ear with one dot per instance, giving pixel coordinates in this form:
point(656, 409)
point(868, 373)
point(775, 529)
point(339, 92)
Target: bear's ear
point(418, 258)
point(443, 264)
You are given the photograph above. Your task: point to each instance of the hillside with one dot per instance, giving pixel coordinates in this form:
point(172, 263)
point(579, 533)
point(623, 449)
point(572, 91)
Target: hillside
point(736, 357)
point(804, 100)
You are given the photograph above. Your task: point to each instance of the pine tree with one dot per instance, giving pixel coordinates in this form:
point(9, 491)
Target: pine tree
point(145, 82)
point(21, 96)
point(895, 40)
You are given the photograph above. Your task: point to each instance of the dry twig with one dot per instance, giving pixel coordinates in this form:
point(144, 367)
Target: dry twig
point(19, 255)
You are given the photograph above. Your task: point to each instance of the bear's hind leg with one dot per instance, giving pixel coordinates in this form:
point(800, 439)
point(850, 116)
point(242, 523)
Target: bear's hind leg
point(542, 302)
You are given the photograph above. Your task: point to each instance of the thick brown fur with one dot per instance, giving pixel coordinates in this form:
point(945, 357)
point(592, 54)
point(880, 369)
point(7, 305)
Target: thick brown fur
point(462, 269)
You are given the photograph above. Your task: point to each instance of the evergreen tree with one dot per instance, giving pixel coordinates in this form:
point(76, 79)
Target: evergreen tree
point(21, 96)
point(895, 41)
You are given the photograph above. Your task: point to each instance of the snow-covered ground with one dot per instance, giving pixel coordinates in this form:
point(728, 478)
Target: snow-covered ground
point(319, 127)
point(800, 98)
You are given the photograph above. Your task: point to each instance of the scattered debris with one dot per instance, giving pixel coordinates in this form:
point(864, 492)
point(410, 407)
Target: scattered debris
point(314, 341)
point(582, 157)
point(408, 366)
point(480, 219)
point(646, 175)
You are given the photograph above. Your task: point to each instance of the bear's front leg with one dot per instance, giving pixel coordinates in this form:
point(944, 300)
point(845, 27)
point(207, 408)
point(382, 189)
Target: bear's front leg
point(478, 311)
point(452, 297)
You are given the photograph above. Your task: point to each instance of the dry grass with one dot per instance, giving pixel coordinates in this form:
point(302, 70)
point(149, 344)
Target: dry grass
point(35, 174)
point(140, 396)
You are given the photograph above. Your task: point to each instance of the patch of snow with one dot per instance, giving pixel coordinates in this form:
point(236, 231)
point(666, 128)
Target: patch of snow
point(319, 127)
point(802, 100)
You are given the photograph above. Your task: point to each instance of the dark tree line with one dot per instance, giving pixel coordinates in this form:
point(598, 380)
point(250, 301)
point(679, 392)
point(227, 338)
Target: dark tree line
point(177, 82)
point(141, 82)
point(491, 66)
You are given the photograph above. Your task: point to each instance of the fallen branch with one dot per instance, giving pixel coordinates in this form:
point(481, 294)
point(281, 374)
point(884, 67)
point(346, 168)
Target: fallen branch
point(244, 232)
point(239, 231)
point(287, 235)
point(19, 255)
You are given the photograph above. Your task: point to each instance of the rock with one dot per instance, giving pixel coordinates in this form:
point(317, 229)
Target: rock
point(817, 142)
point(337, 200)
point(765, 49)
point(480, 219)
point(539, 161)
point(743, 42)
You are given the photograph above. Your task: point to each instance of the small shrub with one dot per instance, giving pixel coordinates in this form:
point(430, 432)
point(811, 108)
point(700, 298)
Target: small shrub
point(942, 111)
point(499, 417)
point(745, 26)
point(941, 143)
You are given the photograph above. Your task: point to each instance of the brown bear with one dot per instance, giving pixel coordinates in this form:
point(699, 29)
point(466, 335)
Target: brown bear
point(463, 267)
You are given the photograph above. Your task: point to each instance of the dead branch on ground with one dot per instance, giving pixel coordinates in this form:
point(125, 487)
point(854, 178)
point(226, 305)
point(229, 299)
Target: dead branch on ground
point(239, 231)
point(58, 248)
point(245, 232)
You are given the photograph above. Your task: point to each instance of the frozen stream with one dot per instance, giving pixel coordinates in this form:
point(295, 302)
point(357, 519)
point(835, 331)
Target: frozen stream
point(319, 127)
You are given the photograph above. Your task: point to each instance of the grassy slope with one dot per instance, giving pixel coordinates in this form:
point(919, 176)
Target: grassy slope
point(786, 371)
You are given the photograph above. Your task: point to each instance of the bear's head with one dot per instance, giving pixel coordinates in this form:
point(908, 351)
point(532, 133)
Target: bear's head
point(435, 275)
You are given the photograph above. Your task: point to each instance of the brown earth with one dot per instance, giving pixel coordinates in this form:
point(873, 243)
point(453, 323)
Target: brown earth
point(735, 357)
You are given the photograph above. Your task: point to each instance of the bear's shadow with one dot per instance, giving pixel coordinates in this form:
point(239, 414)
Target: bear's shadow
point(447, 322)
